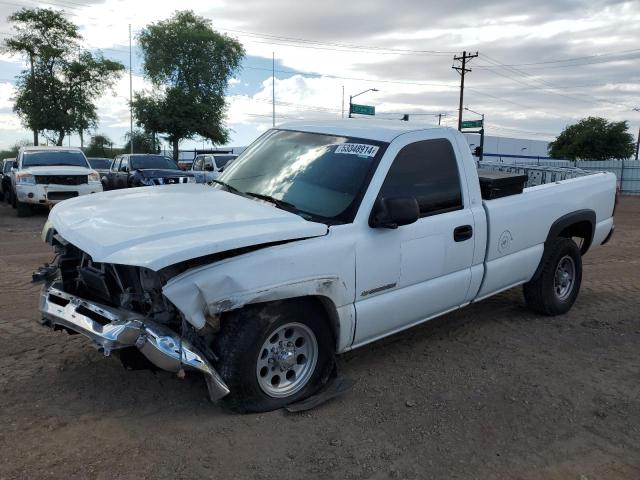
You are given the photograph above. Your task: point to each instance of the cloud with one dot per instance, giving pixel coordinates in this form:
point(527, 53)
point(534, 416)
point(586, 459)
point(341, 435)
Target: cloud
point(410, 45)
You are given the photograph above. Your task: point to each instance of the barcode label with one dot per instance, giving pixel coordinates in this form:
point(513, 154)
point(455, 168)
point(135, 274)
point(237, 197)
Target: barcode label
point(361, 149)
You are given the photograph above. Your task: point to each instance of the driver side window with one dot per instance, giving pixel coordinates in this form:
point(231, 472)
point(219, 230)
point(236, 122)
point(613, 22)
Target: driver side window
point(197, 163)
point(124, 166)
point(428, 171)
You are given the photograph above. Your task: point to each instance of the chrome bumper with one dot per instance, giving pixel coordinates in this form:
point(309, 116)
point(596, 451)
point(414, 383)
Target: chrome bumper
point(112, 329)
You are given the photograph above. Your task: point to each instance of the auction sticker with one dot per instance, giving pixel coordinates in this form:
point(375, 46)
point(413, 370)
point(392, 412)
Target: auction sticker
point(361, 149)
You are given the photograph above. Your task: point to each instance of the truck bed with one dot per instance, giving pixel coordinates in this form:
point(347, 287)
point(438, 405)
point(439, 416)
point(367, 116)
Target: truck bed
point(518, 225)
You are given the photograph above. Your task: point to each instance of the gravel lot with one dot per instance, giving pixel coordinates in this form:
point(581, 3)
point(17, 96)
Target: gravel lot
point(491, 391)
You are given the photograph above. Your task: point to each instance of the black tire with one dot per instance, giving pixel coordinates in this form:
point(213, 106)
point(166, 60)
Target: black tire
point(546, 294)
point(240, 342)
point(23, 209)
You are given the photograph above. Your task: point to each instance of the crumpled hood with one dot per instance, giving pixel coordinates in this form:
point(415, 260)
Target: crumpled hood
point(160, 226)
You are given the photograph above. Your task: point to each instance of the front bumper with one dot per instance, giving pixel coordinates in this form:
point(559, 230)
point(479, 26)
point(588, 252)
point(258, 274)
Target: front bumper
point(110, 329)
point(40, 194)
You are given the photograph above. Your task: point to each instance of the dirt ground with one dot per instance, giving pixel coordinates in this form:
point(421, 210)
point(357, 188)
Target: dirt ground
point(491, 391)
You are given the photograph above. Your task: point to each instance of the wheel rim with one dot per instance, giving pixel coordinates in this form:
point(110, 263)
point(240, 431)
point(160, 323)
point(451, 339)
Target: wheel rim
point(564, 278)
point(287, 360)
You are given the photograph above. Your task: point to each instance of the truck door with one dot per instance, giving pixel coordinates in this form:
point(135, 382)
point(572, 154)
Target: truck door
point(122, 177)
point(210, 170)
point(110, 182)
point(434, 254)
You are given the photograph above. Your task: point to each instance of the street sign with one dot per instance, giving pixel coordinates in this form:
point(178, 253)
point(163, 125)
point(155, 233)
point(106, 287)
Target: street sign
point(363, 109)
point(472, 124)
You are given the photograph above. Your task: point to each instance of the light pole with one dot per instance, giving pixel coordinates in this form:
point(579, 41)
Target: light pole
point(481, 132)
point(351, 97)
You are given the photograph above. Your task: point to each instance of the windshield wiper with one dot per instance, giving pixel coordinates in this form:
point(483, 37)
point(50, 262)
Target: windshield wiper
point(227, 186)
point(277, 202)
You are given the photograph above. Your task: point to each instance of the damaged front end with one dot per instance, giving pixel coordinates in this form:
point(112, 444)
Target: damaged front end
point(122, 307)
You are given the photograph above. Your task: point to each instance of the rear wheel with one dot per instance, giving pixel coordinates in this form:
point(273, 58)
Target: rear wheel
point(556, 288)
point(274, 354)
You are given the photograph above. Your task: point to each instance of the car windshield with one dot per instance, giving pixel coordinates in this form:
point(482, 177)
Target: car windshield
point(320, 175)
point(139, 162)
point(222, 160)
point(7, 166)
point(100, 163)
point(51, 158)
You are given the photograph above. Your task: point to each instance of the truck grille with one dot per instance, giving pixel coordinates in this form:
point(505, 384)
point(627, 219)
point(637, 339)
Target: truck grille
point(61, 179)
point(61, 195)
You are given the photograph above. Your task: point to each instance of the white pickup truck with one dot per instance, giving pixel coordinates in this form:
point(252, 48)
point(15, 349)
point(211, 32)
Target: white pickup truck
point(48, 175)
point(319, 238)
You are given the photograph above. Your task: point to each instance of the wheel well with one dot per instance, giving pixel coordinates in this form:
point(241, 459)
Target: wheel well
point(323, 304)
point(581, 230)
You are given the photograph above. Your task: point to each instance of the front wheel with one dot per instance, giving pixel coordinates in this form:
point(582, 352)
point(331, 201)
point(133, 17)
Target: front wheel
point(23, 209)
point(275, 354)
point(556, 288)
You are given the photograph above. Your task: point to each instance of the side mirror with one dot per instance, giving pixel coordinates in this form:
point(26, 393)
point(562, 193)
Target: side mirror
point(394, 212)
point(208, 168)
point(14, 164)
point(124, 169)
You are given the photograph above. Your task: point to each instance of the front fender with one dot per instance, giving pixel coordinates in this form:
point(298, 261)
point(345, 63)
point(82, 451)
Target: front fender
point(313, 267)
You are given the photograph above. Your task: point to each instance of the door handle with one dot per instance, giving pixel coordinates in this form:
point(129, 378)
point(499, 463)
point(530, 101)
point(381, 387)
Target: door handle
point(462, 233)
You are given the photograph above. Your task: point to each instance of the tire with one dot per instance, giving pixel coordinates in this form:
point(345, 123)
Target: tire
point(260, 379)
point(555, 289)
point(23, 209)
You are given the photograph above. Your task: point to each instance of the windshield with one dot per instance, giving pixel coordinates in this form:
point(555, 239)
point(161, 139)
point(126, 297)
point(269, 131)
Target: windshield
point(51, 158)
point(139, 162)
point(100, 163)
point(222, 160)
point(321, 175)
point(7, 166)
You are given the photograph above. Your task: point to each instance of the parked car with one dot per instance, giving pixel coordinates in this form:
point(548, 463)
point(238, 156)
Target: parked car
point(48, 175)
point(141, 169)
point(208, 167)
point(5, 179)
point(322, 237)
point(100, 165)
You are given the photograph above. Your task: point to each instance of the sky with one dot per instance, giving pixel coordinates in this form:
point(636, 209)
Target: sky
point(541, 65)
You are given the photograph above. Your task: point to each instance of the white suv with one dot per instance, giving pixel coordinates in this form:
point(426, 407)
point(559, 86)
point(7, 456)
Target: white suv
point(47, 175)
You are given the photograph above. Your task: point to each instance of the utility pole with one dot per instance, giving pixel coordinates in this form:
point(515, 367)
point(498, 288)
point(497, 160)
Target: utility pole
point(273, 87)
point(130, 96)
point(462, 69)
point(33, 80)
point(440, 115)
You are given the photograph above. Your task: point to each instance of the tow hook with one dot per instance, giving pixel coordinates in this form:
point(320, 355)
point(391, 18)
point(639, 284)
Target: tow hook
point(45, 272)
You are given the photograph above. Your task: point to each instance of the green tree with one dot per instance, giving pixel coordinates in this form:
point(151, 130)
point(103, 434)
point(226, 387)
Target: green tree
point(143, 142)
point(56, 94)
point(593, 138)
point(190, 65)
point(100, 146)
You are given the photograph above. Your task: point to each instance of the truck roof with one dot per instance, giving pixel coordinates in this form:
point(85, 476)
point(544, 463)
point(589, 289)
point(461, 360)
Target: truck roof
point(381, 130)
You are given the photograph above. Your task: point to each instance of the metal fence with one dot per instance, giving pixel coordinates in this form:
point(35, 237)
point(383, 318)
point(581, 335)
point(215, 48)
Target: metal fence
point(627, 171)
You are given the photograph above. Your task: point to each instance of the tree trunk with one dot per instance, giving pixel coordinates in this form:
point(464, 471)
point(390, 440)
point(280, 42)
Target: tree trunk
point(60, 139)
point(175, 149)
